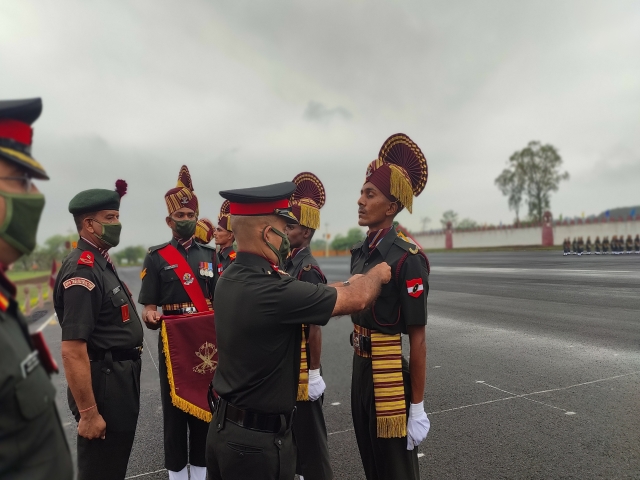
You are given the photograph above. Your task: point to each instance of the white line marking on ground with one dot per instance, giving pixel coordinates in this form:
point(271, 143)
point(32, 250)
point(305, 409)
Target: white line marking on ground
point(335, 403)
point(341, 431)
point(570, 413)
point(144, 339)
point(533, 393)
point(420, 455)
point(46, 322)
point(145, 474)
point(524, 396)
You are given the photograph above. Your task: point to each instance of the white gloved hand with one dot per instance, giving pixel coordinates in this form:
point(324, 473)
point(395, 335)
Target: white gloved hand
point(316, 385)
point(417, 426)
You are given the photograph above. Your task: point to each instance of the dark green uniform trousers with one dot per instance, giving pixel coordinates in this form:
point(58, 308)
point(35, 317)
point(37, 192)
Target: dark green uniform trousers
point(116, 388)
point(310, 432)
point(105, 459)
point(236, 453)
point(185, 436)
point(382, 458)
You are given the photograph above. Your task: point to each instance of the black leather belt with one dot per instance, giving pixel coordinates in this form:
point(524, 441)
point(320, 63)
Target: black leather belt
point(260, 422)
point(180, 311)
point(117, 355)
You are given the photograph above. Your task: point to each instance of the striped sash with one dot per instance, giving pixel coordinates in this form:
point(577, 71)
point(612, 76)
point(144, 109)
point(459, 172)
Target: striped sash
point(303, 379)
point(388, 387)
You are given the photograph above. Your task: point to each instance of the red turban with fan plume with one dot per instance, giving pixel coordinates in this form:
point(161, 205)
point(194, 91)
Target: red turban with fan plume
point(400, 172)
point(307, 199)
point(224, 218)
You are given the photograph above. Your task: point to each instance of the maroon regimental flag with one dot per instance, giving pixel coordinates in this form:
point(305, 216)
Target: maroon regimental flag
point(191, 352)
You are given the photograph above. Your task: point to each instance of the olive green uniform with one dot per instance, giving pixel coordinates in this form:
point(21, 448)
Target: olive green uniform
point(225, 257)
point(309, 428)
point(32, 442)
point(94, 305)
point(393, 311)
point(184, 435)
point(258, 316)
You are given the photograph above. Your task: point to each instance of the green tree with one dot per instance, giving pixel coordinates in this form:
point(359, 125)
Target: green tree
point(534, 171)
point(318, 244)
point(131, 255)
point(342, 242)
point(467, 223)
point(449, 216)
point(511, 183)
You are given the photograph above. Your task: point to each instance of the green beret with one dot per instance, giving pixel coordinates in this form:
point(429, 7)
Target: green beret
point(98, 199)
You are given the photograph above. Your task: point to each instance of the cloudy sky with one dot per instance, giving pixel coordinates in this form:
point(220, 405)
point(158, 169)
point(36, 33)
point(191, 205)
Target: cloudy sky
point(248, 93)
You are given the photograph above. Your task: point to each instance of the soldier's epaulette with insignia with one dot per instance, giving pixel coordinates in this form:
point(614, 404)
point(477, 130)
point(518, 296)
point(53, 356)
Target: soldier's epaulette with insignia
point(157, 247)
point(307, 268)
point(357, 246)
point(204, 245)
point(407, 246)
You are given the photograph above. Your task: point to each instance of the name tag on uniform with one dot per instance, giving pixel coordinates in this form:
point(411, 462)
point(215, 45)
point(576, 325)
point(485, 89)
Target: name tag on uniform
point(125, 313)
point(29, 364)
point(170, 267)
point(115, 290)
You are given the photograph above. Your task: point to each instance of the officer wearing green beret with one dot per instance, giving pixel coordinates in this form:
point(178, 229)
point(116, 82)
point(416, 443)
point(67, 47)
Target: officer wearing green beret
point(32, 441)
point(101, 338)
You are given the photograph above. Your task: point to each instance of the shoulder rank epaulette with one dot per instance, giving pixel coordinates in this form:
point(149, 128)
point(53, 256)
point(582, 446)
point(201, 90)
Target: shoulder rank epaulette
point(356, 246)
point(307, 268)
point(86, 258)
point(157, 247)
point(407, 246)
point(205, 245)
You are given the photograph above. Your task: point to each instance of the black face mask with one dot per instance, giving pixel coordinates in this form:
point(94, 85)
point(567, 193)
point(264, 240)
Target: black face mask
point(285, 247)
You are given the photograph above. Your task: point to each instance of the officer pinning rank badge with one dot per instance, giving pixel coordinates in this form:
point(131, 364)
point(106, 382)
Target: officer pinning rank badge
point(206, 269)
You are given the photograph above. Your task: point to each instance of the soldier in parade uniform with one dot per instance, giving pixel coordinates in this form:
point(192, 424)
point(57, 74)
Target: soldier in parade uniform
point(574, 246)
point(387, 393)
point(588, 246)
point(629, 244)
point(598, 245)
point(605, 245)
point(259, 313)
point(162, 286)
point(224, 239)
point(309, 428)
point(580, 246)
point(204, 231)
point(636, 243)
point(101, 338)
point(32, 441)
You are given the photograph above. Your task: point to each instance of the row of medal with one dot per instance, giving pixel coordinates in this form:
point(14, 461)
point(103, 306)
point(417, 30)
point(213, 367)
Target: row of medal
point(206, 269)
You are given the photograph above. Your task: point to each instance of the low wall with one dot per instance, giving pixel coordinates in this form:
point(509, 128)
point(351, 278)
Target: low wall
point(527, 236)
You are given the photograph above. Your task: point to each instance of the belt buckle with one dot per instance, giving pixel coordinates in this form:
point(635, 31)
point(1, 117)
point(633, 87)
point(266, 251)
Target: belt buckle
point(190, 310)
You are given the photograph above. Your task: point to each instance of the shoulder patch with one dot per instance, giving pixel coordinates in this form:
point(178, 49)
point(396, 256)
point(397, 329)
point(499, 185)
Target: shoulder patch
point(307, 268)
point(86, 259)
point(83, 282)
point(158, 247)
point(143, 273)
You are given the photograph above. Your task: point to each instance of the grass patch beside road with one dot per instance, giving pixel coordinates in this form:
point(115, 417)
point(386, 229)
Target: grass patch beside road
point(21, 276)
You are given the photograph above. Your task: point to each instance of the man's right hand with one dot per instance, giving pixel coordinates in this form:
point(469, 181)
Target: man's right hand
point(382, 271)
point(152, 319)
point(92, 425)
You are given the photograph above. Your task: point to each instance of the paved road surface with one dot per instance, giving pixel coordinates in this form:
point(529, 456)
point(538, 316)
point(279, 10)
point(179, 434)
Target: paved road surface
point(533, 371)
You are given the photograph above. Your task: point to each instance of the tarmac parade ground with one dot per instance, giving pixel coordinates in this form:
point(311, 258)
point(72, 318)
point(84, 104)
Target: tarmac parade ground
point(533, 370)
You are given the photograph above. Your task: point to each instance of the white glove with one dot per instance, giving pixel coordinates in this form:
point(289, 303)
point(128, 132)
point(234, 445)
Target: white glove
point(316, 385)
point(418, 425)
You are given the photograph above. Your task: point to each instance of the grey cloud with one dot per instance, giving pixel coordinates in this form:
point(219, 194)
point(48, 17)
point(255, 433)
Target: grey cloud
point(318, 112)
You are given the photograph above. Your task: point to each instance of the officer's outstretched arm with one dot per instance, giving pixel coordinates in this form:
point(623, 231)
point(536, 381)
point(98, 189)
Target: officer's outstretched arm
point(361, 291)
